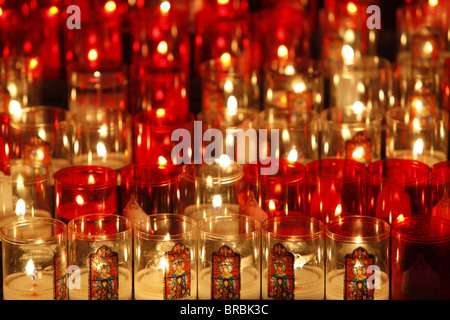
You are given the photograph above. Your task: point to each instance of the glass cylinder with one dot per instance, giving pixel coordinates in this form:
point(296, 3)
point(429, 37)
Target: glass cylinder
point(35, 260)
point(153, 131)
point(209, 190)
point(398, 188)
point(82, 190)
point(22, 81)
point(149, 189)
point(229, 249)
point(293, 84)
point(298, 133)
point(99, 87)
point(100, 251)
point(237, 132)
point(226, 80)
point(358, 253)
point(367, 80)
point(419, 258)
point(293, 261)
point(153, 87)
point(351, 132)
point(440, 188)
point(165, 258)
point(334, 187)
point(5, 139)
point(26, 191)
point(103, 138)
point(272, 191)
point(417, 134)
point(43, 134)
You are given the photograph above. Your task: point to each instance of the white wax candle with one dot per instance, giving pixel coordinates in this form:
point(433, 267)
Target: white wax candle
point(427, 157)
point(149, 285)
point(198, 212)
point(59, 163)
point(37, 213)
point(20, 286)
point(309, 284)
point(335, 286)
point(82, 293)
point(114, 160)
point(250, 284)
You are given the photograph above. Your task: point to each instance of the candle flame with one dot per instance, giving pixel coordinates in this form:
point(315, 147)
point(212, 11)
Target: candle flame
point(400, 218)
point(352, 8)
point(164, 7)
point(418, 147)
point(358, 239)
point(30, 269)
point(92, 55)
point(52, 11)
point(101, 149)
point(162, 161)
point(163, 264)
point(224, 161)
point(223, 2)
point(293, 155)
point(338, 210)
point(15, 108)
point(358, 107)
point(225, 59)
point(217, 201)
point(282, 52)
point(110, 6)
point(232, 106)
point(160, 113)
point(33, 64)
point(79, 199)
point(433, 3)
point(348, 53)
point(272, 205)
point(163, 47)
point(20, 209)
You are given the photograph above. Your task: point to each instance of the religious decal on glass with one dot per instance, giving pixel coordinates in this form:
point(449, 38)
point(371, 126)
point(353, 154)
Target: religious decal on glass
point(226, 277)
point(356, 278)
point(104, 275)
point(281, 273)
point(177, 275)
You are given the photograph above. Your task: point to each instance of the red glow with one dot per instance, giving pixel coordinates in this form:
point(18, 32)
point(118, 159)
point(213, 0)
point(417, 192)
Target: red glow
point(352, 8)
point(110, 7)
point(162, 47)
point(34, 63)
point(93, 55)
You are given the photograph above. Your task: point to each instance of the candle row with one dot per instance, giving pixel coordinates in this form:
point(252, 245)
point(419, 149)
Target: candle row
point(227, 257)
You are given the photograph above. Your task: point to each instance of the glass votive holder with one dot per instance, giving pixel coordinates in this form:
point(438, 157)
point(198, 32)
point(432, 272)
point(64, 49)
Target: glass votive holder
point(367, 80)
point(298, 133)
point(334, 187)
point(35, 260)
point(440, 188)
point(398, 188)
point(238, 127)
point(417, 134)
point(99, 87)
point(82, 190)
point(100, 252)
point(153, 87)
point(294, 84)
point(293, 261)
point(210, 190)
point(229, 250)
point(43, 134)
point(26, 191)
point(419, 258)
point(149, 189)
point(277, 192)
point(103, 137)
point(153, 132)
point(165, 258)
point(351, 132)
point(226, 78)
point(22, 78)
point(357, 258)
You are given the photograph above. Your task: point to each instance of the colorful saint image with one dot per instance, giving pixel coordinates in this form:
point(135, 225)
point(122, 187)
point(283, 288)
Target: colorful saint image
point(281, 274)
point(59, 269)
point(104, 275)
point(177, 277)
point(356, 280)
point(226, 278)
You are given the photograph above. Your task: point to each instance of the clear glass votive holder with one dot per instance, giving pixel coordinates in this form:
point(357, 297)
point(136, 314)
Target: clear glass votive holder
point(165, 257)
point(100, 251)
point(293, 258)
point(35, 259)
point(357, 258)
point(229, 251)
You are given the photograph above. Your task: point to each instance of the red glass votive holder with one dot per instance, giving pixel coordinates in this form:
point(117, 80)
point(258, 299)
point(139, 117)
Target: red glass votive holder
point(5, 139)
point(420, 259)
point(154, 87)
point(153, 134)
point(150, 189)
point(334, 187)
point(273, 189)
point(82, 190)
point(440, 188)
point(398, 188)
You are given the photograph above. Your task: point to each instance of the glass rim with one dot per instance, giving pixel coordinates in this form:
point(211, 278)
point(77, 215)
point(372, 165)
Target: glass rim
point(314, 167)
point(435, 171)
point(390, 161)
point(93, 218)
point(85, 169)
point(60, 226)
point(397, 233)
point(372, 114)
point(441, 114)
point(293, 177)
point(360, 239)
point(146, 235)
point(79, 118)
point(126, 174)
point(318, 225)
point(27, 180)
point(15, 123)
point(189, 169)
point(226, 237)
point(145, 118)
point(312, 120)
